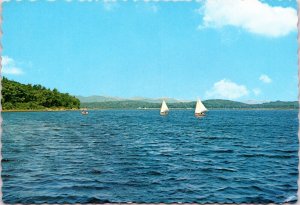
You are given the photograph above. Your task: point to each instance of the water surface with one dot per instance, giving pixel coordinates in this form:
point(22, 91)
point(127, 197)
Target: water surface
point(139, 156)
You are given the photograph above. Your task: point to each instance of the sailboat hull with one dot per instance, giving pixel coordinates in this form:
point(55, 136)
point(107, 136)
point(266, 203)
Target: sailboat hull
point(84, 112)
point(200, 114)
point(164, 113)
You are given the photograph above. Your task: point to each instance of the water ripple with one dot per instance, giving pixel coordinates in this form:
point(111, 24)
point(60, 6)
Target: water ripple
point(139, 156)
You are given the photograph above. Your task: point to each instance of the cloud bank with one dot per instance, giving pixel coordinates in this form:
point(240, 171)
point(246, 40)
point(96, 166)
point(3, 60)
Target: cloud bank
point(227, 89)
point(264, 78)
point(9, 66)
point(251, 15)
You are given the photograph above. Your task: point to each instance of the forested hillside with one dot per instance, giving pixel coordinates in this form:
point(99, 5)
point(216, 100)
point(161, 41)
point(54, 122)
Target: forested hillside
point(17, 96)
point(210, 104)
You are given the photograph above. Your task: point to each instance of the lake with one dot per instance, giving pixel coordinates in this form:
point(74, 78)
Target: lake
point(229, 156)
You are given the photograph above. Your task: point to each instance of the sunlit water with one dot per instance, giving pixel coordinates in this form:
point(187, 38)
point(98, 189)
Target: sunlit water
point(139, 156)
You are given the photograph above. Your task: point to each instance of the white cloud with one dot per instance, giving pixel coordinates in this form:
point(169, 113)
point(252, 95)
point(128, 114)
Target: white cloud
point(256, 91)
point(12, 71)
point(7, 61)
point(109, 5)
point(252, 15)
point(227, 89)
point(148, 6)
point(9, 66)
point(264, 78)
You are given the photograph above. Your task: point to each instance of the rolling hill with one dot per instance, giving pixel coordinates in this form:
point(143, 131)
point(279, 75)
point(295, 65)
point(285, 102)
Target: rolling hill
point(210, 104)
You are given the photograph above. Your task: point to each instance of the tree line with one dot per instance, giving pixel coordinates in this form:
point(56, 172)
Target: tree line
point(18, 96)
point(210, 104)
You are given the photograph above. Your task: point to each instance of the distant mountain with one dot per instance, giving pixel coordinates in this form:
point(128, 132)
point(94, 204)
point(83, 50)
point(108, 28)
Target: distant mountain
point(157, 100)
point(251, 102)
point(96, 98)
point(143, 103)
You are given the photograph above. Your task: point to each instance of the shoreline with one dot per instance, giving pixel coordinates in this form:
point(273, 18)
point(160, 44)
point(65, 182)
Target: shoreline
point(44, 110)
point(99, 109)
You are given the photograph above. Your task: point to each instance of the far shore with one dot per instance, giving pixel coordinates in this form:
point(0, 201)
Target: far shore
point(193, 108)
point(42, 110)
point(91, 109)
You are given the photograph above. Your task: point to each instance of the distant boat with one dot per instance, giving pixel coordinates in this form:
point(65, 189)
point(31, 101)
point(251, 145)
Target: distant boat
point(84, 111)
point(200, 109)
point(164, 110)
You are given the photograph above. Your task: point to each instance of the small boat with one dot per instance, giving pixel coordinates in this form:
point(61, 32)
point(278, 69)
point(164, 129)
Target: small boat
point(164, 110)
point(200, 109)
point(84, 111)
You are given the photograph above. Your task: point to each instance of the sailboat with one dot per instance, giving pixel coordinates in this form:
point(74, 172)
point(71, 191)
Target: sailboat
point(164, 110)
point(200, 109)
point(84, 111)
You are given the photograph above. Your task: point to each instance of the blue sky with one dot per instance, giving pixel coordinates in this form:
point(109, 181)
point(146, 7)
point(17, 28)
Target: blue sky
point(239, 50)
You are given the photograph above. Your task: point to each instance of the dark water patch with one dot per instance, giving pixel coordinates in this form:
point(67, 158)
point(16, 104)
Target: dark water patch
point(286, 151)
point(96, 171)
point(155, 173)
point(293, 173)
point(185, 191)
point(266, 156)
point(83, 188)
point(256, 199)
point(222, 178)
point(94, 200)
point(8, 160)
point(6, 176)
point(224, 151)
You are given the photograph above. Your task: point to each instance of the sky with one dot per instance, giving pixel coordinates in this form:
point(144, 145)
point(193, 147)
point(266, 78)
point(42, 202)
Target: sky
point(209, 49)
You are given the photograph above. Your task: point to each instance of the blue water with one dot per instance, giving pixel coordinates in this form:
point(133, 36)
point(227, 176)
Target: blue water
point(139, 156)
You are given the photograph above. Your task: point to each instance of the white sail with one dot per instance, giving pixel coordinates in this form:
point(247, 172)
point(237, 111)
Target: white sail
point(164, 107)
point(200, 108)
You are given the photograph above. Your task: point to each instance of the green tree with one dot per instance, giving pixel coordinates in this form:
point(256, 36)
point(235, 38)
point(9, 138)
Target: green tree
point(20, 96)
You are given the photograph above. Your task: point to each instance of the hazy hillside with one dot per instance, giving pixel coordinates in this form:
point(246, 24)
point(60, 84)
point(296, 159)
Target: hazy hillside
point(210, 104)
point(96, 98)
